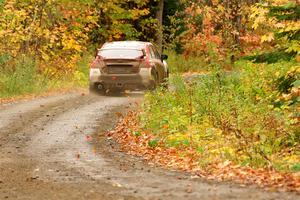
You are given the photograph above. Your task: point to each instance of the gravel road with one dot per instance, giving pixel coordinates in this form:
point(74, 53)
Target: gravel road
point(55, 148)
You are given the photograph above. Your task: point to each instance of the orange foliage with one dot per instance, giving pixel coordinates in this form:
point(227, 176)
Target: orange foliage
point(186, 159)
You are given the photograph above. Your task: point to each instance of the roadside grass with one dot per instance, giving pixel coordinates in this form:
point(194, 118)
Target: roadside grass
point(249, 117)
point(22, 76)
point(178, 63)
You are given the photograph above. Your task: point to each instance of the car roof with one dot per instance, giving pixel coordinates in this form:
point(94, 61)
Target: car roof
point(125, 45)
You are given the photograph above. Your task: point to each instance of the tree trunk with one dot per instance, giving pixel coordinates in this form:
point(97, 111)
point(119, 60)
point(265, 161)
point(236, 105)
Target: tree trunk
point(159, 17)
point(237, 21)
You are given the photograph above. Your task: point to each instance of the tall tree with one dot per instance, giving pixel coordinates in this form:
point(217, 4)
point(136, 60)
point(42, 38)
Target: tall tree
point(159, 17)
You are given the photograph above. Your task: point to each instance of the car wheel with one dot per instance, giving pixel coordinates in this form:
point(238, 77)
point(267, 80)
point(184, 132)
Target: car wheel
point(94, 90)
point(165, 83)
point(154, 76)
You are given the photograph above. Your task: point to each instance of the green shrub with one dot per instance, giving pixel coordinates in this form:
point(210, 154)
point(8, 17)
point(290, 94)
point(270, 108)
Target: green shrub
point(271, 57)
point(227, 116)
point(179, 63)
point(21, 75)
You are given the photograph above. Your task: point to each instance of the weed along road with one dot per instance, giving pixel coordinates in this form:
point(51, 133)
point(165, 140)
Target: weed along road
point(55, 148)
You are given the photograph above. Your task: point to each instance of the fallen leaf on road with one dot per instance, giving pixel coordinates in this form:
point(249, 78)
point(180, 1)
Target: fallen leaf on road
point(189, 189)
point(117, 185)
point(88, 138)
point(138, 145)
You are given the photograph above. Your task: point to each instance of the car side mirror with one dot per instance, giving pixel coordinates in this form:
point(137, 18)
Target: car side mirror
point(164, 57)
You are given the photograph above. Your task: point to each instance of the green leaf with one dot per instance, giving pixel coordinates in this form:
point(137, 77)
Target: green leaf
point(153, 143)
point(200, 149)
point(186, 142)
point(296, 167)
point(296, 83)
point(136, 133)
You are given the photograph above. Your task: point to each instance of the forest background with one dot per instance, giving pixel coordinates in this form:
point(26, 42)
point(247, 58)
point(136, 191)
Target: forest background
point(248, 53)
point(44, 42)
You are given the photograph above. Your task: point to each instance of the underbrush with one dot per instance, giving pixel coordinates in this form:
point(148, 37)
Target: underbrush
point(179, 63)
point(249, 117)
point(23, 75)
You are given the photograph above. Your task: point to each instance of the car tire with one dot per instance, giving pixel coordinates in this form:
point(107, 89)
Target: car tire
point(154, 77)
point(165, 83)
point(94, 90)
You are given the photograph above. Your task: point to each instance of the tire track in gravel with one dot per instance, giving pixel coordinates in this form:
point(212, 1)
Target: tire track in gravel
point(15, 119)
point(10, 111)
point(29, 148)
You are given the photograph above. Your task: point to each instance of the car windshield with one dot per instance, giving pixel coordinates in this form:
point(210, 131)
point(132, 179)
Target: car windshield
point(120, 53)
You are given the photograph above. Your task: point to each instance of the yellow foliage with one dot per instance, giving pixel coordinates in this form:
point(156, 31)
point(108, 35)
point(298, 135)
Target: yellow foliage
point(267, 37)
point(46, 29)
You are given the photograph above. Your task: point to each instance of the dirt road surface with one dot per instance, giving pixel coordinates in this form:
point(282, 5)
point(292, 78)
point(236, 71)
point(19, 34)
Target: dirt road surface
point(55, 148)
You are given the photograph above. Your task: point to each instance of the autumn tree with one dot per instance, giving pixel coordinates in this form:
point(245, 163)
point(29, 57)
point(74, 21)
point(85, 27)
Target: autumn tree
point(54, 32)
point(119, 20)
point(159, 17)
point(57, 32)
point(279, 23)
